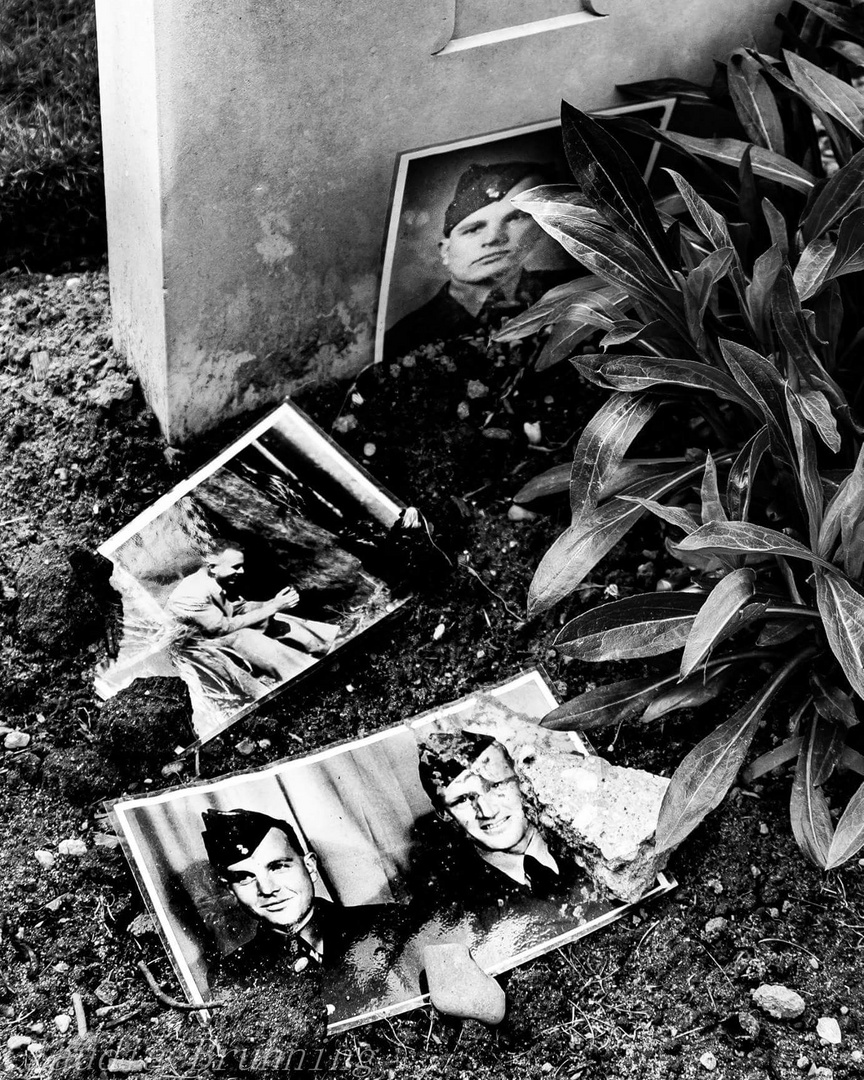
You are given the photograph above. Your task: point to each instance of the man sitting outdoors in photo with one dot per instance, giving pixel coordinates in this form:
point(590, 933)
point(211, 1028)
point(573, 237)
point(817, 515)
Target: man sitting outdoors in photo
point(208, 606)
point(485, 244)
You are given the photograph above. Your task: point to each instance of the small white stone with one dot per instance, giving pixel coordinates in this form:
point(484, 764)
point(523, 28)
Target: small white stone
point(708, 1061)
point(763, 829)
point(857, 1055)
point(520, 513)
point(44, 858)
point(330, 1009)
point(16, 740)
point(73, 846)
point(73, 283)
point(62, 1021)
point(438, 632)
point(18, 1042)
point(301, 964)
point(803, 1061)
point(828, 1029)
point(369, 449)
point(779, 1001)
point(533, 432)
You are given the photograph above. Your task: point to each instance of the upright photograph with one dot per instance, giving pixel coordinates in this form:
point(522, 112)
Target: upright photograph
point(345, 866)
point(459, 259)
point(253, 570)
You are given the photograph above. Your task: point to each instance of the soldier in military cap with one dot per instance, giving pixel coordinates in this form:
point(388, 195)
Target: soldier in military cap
point(349, 952)
point(505, 857)
point(484, 246)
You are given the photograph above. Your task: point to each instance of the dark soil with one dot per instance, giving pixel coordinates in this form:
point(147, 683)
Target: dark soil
point(647, 997)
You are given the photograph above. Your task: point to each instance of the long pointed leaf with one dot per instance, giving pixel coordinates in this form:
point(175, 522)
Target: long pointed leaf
point(672, 515)
point(632, 373)
point(761, 381)
point(550, 307)
point(721, 608)
point(758, 292)
point(773, 759)
point(841, 194)
point(638, 626)
point(808, 808)
point(849, 254)
point(811, 273)
point(702, 779)
point(842, 610)
point(739, 487)
point(602, 446)
point(712, 507)
point(827, 93)
point(840, 16)
point(754, 102)
point(744, 538)
point(578, 550)
point(607, 705)
point(809, 480)
point(690, 694)
point(849, 834)
point(610, 179)
point(765, 163)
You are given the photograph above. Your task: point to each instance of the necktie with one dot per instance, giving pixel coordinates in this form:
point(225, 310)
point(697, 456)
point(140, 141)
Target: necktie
point(541, 879)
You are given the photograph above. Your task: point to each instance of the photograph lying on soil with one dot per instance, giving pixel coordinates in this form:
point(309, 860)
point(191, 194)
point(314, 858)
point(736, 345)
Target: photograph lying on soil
point(343, 866)
point(458, 257)
point(250, 572)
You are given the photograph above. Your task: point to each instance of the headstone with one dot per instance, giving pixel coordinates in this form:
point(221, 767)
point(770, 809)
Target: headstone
point(249, 149)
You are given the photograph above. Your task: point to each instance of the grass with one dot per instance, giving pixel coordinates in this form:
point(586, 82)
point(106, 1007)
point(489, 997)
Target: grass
point(51, 187)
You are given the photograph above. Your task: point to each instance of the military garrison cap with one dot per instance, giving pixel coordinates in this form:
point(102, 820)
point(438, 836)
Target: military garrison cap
point(445, 755)
point(232, 835)
point(480, 185)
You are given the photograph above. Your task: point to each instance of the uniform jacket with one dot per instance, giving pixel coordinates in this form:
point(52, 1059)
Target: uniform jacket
point(442, 318)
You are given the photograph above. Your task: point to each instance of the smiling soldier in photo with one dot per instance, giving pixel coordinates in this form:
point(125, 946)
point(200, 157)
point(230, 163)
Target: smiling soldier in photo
point(485, 244)
point(347, 951)
point(503, 855)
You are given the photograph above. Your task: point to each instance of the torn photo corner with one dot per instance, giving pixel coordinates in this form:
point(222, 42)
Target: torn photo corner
point(328, 875)
point(255, 569)
point(459, 258)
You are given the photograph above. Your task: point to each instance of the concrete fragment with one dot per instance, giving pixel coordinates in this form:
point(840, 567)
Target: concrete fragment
point(778, 1001)
point(606, 815)
point(828, 1029)
point(459, 987)
point(16, 740)
point(708, 1061)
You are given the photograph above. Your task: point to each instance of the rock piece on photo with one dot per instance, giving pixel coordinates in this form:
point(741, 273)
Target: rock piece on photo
point(459, 987)
point(605, 814)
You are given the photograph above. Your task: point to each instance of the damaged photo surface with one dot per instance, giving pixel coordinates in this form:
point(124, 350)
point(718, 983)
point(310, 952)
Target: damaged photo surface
point(329, 875)
point(252, 571)
point(459, 258)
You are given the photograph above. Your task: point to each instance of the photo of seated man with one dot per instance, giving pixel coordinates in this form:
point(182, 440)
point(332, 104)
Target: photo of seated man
point(207, 605)
point(484, 245)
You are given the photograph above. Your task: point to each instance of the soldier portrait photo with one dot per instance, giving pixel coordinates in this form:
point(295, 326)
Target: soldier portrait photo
point(252, 571)
point(327, 876)
point(459, 257)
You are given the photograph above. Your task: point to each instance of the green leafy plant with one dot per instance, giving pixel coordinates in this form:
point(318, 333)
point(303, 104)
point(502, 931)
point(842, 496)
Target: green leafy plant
point(740, 306)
